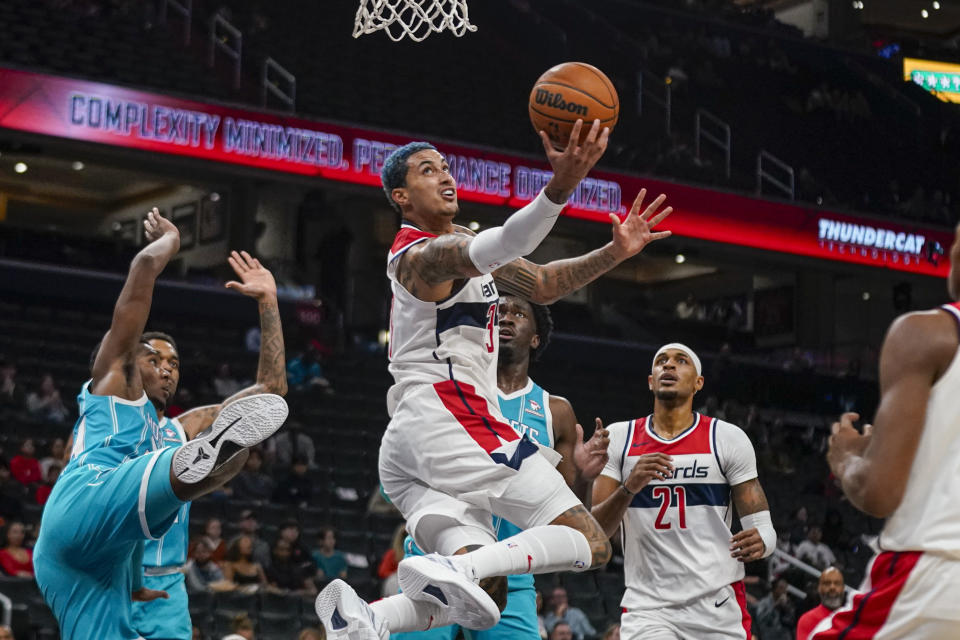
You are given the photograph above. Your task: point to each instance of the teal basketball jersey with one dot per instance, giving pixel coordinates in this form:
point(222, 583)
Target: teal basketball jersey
point(171, 549)
point(111, 430)
point(528, 412)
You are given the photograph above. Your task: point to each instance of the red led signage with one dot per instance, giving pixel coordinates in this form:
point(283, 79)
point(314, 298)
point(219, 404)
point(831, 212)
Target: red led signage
point(121, 117)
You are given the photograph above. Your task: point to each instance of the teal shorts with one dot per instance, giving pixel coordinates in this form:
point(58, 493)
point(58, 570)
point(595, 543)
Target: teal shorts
point(91, 526)
point(164, 619)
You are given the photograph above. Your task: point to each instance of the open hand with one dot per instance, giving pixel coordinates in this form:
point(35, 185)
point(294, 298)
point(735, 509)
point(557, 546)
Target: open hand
point(591, 457)
point(846, 441)
point(634, 232)
point(572, 164)
point(156, 226)
point(256, 280)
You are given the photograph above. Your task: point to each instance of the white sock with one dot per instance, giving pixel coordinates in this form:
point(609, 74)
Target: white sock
point(403, 614)
point(537, 550)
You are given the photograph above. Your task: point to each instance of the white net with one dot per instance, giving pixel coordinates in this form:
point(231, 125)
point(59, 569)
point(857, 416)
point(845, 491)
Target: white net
point(415, 19)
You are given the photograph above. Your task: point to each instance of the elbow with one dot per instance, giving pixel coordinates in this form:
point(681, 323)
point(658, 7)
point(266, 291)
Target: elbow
point(145, 262)
point(878, 501)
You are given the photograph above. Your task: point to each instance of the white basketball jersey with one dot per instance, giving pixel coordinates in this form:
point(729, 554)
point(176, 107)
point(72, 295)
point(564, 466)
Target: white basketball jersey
point(454, 339)
point(676, 532)
point(928, 518)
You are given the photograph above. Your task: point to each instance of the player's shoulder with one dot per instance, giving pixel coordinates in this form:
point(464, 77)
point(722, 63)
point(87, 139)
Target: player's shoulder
point(407, 236)
point(620, 428)
point(729, 432)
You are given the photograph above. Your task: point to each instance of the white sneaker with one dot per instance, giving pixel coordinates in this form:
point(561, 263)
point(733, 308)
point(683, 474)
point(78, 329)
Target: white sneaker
point(346, 616)
point(241, 424)
point(435, 579)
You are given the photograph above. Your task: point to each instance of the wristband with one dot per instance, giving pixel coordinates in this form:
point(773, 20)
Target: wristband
point(627, 491)
point(764, 526)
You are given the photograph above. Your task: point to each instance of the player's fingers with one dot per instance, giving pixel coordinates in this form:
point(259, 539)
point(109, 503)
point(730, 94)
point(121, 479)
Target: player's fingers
point(834, 428)
point(598, 422)
point(547, 143)
point(233, 284)
point(848, 418)
point(593, 133)
point(615, 220)
point(653, 206)
point(573, 142)
point(660, 235)
point(638, 202)
point(604, 138)
point(249, 259)
point(579, 433)
point(868, 429)
point(660, 217)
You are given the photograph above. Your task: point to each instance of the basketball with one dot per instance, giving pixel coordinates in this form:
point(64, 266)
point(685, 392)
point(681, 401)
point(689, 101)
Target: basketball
point(568, 92)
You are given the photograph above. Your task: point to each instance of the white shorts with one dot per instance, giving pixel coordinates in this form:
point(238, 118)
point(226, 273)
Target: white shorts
point(905, 595)
point(720, 615)
point(449, 460)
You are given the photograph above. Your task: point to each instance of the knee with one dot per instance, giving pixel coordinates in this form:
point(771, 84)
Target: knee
point(496, 588)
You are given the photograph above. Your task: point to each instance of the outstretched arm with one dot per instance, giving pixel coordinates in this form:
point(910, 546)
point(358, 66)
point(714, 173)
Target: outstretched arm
point(545, 284)
point(256, 282)
point(113, 370)
point(429, 269)
point(873, 468)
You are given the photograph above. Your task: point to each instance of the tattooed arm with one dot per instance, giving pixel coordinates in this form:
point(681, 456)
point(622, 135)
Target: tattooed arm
point(545, 284)
point(256, 282)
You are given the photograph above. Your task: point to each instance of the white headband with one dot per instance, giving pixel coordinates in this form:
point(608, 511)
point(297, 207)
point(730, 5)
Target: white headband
point(680, 347)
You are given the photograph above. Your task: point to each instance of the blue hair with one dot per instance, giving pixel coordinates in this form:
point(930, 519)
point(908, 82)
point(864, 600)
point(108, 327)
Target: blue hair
point(394, 172)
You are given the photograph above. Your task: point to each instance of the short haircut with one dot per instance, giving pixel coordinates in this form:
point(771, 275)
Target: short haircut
point(394, 172)
point(146, 337)
point(160, 335)
point(542, 324)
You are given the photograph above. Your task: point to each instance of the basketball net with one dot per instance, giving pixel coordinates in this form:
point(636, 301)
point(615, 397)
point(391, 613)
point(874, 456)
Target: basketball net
point(415, 19)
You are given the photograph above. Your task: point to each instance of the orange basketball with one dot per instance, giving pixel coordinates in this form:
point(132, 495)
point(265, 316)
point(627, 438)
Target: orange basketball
point(568, 92)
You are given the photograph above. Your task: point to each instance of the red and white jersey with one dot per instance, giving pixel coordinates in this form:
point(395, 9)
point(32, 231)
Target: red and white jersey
point(454, 339)
point(676, 532)
point(928, 518)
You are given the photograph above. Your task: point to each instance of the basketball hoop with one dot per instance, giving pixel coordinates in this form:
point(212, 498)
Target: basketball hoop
point(416, 19)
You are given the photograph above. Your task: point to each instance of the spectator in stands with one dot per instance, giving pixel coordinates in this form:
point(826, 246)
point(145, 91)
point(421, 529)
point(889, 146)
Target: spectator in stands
point(562, 631)
point(45, 403)
point(224, 382)
point(304, 370)
point(832, 598)
point(250, 527)
point(25, 467)
point(240, 567)
point(612, 632)
point(814, 552)
point(11, 391)
point(775, 614)
point(242, 628)
point(11, 493)
point(15, 559)
point(252, 483)
point(540, 622)
point(290, 531)
point(6, 633)
point(282, 448)
point(213, 536)
point(202, 573)
point(284, 574)
point(387, 571)
point(297, 487)
point(330, 562)
point(43, 491)
point(54, 457)
point(312, 633)
point(561, 611)
point(798, 525)
point(686, 307)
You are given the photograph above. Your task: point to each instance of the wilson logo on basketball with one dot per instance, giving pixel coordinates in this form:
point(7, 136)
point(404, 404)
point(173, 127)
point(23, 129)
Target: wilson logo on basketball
point(555, 100)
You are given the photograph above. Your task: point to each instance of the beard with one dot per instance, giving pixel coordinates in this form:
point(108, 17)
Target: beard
point(666, 395)
point(833, 602)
